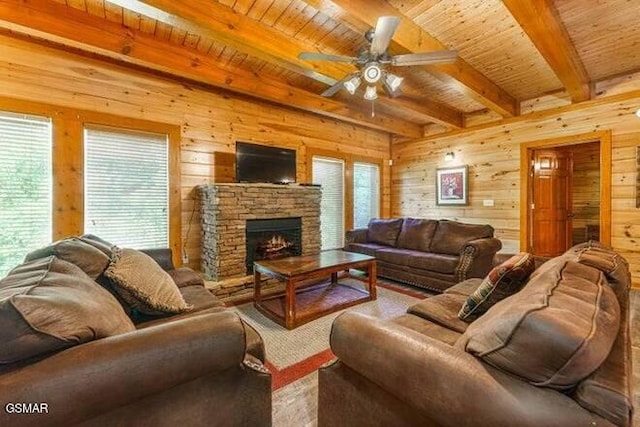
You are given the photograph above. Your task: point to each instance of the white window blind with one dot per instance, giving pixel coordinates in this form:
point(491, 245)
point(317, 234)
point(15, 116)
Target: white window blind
point(366, 193)
point(330, 174)
point(25, 186)
point(127, 187)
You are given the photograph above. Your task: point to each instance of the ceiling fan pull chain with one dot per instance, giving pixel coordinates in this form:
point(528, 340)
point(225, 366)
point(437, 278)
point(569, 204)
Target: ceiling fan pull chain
point(373, 108)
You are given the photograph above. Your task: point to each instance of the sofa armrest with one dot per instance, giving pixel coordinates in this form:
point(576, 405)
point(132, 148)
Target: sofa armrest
point(90, 379)
point(476, 258)
point(357, 235)
point(163, 256)
point(446, 384)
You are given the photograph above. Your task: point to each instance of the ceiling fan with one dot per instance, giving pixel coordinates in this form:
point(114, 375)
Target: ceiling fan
point(372, 63)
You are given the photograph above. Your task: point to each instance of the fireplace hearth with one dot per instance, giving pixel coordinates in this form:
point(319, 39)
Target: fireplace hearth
point(272, 238)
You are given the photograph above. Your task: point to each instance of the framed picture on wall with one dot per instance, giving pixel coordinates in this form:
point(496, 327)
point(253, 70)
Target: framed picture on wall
point(452, 186)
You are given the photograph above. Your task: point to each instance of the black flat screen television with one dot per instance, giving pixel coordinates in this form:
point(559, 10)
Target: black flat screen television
point(261, 163)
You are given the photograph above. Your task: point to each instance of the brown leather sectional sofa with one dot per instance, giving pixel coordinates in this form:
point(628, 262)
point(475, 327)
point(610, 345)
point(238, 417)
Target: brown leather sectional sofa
point(199, 368)
point(428, 253)
point(557, 353)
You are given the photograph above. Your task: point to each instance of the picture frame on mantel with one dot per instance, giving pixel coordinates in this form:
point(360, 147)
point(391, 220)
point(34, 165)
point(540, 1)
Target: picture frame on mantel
point(452, 186)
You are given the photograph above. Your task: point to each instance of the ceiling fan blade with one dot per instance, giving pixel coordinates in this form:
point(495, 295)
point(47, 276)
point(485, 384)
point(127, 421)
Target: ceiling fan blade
point(425, 58)
point(313, 56)
point(338, 85)
point(385, 28)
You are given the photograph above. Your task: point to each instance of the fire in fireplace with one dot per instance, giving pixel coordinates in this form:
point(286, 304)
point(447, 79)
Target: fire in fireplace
point(272, 238)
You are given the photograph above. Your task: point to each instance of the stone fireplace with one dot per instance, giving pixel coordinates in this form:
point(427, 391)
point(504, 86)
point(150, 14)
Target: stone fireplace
point(227, 210)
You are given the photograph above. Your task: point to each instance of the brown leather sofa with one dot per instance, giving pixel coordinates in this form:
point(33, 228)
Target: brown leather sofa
point(427, 253)
point(557, 353)
point(199, 368)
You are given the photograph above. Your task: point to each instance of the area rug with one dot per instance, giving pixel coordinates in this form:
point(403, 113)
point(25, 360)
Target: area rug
point(292, 354)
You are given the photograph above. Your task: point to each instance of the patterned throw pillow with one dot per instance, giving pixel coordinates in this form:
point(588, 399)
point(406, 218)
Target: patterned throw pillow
point(143, 285)
point(501, 282)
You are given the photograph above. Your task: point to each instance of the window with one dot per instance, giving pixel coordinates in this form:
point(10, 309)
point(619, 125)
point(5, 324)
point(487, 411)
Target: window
point(366, 193)
point(330, 174)
point(25, 186)
point(127, 187)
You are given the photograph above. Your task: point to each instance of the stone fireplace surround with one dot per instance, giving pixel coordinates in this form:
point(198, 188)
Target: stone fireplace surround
point(225, 209)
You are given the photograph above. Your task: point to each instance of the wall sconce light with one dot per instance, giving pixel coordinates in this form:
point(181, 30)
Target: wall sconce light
point(449, 156)
point(638, 112)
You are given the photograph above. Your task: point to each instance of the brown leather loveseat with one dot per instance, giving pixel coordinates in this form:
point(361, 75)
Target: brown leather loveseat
point(428, 253)
point(200, 367)
point(556, 353)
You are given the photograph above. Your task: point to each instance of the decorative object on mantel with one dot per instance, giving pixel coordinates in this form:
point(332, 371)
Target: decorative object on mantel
point(371, 63)
point(452, 186)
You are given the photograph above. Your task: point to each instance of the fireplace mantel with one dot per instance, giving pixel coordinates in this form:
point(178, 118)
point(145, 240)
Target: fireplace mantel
point(225, 208)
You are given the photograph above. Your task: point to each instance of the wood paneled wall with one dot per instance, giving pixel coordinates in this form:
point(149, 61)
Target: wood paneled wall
point(493, 155)
point(586, 189)
point(211, 120)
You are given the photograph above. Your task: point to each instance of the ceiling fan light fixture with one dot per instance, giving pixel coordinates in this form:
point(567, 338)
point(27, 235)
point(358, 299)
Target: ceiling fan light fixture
point(352, 84)
point(372, 73)
point(371, 93)
point(392, 82)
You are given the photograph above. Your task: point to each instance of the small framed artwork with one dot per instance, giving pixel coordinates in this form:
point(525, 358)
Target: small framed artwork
point(452, 186)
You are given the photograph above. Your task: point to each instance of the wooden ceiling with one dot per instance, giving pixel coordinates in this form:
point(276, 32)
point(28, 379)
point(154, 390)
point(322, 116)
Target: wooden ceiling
point(509, 50)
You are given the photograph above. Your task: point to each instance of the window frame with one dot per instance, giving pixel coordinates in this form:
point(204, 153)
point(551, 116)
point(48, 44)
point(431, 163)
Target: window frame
point(349, 160)
point(68, 164)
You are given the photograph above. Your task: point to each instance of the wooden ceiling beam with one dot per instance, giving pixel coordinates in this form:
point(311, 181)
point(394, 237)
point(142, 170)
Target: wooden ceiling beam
point(542, 23)
point(246, 35)
point(411, 38)
point(71, 27)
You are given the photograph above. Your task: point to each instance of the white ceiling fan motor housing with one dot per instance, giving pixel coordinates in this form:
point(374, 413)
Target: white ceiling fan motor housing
point(372, 72)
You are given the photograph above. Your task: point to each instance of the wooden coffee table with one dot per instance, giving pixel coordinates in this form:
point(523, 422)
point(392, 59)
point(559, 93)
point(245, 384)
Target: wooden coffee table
point(299, 306)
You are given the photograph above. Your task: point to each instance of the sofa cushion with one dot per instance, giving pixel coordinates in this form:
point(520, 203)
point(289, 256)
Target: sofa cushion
point(75, 250)
point(440, 263)
point(417, 234)
point(442, 309)
point(556, 331)
point(143, 284)
point(466, 287)
point(451, 236)
point(184, 276)
point(98, 243)
point(384, 231)
point(394, 255)
point(501, 282)
point(364, 248)
point(49, 304)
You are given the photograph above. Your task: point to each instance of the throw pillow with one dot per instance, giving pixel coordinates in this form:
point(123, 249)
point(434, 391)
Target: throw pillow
point(501, 282)
point(76, 250)
point(143, 284)
point(50, 304)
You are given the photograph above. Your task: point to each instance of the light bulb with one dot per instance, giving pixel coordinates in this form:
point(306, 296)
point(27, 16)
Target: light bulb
point(393, 82)
point(352, 84)
point(370, 94)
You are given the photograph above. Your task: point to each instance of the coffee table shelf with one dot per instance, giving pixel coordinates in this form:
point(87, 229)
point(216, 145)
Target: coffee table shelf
point(301, 305)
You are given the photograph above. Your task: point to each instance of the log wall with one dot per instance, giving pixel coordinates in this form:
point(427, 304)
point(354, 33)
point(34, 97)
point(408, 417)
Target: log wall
point(210, 120)
point(492, 152)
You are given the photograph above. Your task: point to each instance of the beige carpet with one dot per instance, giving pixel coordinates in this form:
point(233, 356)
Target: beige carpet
point(285, 348)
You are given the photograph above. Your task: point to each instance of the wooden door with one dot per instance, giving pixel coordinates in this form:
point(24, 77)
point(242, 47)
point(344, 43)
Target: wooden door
point(551, 201)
